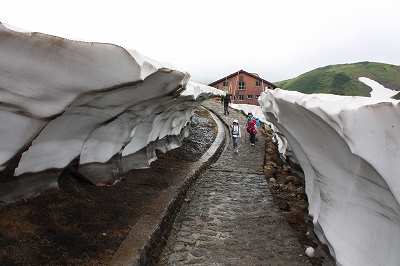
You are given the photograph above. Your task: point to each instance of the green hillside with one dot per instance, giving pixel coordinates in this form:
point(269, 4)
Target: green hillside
point(343, 79)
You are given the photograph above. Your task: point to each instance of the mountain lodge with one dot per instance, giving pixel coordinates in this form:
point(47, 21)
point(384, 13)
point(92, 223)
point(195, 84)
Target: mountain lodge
point(244, 86)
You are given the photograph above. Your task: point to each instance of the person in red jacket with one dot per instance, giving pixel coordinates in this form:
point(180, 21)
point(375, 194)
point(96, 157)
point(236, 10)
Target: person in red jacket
point(252, 128)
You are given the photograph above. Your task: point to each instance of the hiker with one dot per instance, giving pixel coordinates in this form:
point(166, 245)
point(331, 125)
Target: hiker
point(226, 100)
point(250, 117)
point(235, 134)
point(252, 128)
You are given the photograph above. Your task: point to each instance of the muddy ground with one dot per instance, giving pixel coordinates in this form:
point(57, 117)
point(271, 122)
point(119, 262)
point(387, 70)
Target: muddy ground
point(81, 224)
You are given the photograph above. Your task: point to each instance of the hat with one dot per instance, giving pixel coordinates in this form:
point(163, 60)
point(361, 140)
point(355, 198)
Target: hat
point(249, 113)
point(235, 121)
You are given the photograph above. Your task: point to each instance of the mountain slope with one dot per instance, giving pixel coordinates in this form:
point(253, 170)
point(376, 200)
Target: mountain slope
point(343, 79)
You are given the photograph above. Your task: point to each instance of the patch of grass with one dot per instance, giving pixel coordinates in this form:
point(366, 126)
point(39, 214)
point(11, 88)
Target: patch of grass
point(343, 79)
point(397, 96)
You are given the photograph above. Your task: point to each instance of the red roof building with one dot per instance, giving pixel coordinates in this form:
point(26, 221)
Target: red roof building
point(244, 86)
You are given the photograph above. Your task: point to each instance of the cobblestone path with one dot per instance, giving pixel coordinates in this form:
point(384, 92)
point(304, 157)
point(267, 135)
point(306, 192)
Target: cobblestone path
point(229, 217)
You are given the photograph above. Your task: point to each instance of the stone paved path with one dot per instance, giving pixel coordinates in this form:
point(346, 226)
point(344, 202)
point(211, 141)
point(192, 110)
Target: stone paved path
point(229, 217)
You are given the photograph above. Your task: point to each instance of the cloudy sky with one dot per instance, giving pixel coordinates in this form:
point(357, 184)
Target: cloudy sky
point(210, 39)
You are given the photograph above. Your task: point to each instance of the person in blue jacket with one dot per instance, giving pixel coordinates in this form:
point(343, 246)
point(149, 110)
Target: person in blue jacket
point(251, 128)
point(250, 117)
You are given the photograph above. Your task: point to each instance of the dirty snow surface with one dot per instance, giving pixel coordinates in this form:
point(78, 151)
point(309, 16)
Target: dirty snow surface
point(96, 108)
point(348, 148)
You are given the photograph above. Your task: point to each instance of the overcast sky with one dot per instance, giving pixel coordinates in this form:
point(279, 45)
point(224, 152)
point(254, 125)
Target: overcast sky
point(210, 39)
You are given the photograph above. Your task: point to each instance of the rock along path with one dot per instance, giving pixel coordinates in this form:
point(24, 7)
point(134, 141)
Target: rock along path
point(229, 217)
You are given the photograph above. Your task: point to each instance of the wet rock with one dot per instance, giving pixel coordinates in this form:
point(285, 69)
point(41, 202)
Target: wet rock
point(298, 183)
point(300, 190)
point(303, 196)
point(291, 188)
point(179, 247)
point(289, 178)
point(303, 207)
point(274, 186)
point(200, 252)
point(284, 206)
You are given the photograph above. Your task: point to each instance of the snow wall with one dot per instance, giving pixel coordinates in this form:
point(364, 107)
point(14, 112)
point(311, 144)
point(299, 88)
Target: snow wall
point(349, 150)
point(99, 107)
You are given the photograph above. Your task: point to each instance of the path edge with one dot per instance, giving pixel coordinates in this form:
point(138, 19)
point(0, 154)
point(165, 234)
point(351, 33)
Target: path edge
point(146, 248)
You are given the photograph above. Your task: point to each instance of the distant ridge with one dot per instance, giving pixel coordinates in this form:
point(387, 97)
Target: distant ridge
point(342, 79)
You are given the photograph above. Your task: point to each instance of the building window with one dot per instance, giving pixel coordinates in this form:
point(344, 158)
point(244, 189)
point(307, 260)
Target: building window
point(225, 84)
point(241, 98)
point(233, 98)
point(249, 96)
point(258, 84)
point(241, 85)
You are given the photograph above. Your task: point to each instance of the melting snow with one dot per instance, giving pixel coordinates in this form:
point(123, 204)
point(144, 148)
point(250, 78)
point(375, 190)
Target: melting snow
point(98, 106)
point(378, 91)
point(348, 148)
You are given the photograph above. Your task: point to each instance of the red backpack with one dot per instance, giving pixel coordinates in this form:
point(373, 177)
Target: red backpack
point(251, 127)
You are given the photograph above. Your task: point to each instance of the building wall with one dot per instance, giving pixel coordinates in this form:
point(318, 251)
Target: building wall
point(249, 94)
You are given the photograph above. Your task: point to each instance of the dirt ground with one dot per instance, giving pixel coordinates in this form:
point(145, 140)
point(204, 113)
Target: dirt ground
point(288, 192)
point(82, 224)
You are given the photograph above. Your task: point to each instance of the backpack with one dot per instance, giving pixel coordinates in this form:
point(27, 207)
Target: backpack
point(251, 127)
point(258, 123)
point(235, 133)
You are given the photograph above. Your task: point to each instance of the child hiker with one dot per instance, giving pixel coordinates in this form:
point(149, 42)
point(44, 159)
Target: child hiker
point(235, 134)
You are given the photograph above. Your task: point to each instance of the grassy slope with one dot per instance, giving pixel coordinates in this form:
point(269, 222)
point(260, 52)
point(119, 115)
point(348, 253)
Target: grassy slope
point(343, 79)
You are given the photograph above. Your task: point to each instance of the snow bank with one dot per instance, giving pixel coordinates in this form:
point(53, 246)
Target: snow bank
point(378, 90)
point(98, 106)
point(246, 108)
point(348, 148)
